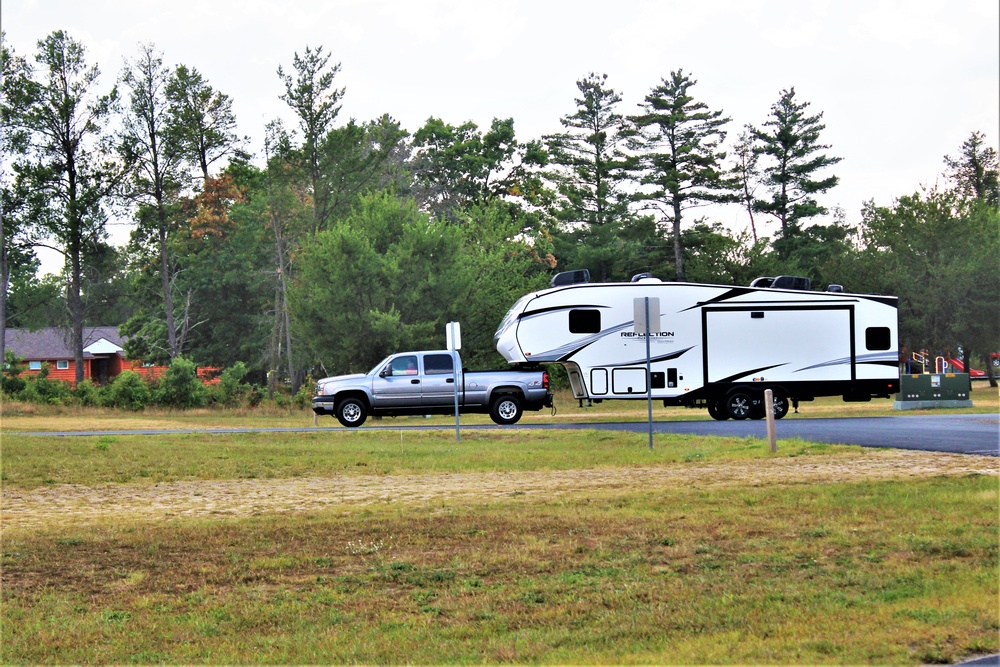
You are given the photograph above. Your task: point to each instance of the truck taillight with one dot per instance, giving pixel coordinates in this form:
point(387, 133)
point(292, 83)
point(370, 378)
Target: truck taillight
point(545, 379)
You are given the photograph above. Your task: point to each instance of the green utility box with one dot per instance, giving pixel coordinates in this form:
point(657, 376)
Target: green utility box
point(933, 390)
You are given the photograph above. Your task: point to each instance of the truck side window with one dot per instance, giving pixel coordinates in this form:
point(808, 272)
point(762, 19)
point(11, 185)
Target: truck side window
point(878, 338)
point(585, 321)
point(438, 364)
point(405, 365)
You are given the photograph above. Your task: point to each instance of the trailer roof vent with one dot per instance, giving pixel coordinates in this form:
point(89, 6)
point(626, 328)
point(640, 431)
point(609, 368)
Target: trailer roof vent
point(763, 281)
point(792, 282)
point(570, 278)
point(644, 277)
point(835, 288)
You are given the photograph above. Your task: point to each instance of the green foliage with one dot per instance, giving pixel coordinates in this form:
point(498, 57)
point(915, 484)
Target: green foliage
point(89, 394)
point(180, 386)
point(128, 391)
point(231, 390)
point(13, 366)
point(790, 139)
point(682, 155)
point(40, 389)
point(388, 278)
point(938, 252)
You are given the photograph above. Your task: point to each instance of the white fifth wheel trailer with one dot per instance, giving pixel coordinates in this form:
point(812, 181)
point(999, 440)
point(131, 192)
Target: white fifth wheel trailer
point(711, 346)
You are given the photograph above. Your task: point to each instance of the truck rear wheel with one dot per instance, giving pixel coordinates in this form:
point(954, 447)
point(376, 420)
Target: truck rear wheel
point(352, 412)
point(506, 409)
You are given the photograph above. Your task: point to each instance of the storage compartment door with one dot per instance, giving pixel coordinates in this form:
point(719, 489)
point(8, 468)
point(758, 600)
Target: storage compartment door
point(779, 345)
point(599, 381)
point(628, 381)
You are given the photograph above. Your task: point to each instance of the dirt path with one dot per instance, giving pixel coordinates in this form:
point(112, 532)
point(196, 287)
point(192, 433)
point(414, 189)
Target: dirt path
point(68, 504)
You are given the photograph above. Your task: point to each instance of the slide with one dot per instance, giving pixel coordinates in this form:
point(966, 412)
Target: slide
point(960, 367)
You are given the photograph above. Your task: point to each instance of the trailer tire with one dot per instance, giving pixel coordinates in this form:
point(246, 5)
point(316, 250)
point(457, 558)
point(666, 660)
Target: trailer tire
point(351, 412)
point(780, 403)
point(506, 409)
point(739, 405)
point(717, 410)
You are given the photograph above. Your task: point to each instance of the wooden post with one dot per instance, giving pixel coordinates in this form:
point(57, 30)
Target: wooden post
point(772, 437)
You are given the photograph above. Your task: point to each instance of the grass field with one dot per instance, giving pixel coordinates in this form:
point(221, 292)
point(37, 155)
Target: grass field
point(509, 547)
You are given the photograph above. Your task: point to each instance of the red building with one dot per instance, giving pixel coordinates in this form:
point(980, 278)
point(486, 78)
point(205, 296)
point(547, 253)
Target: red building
point(103, 354)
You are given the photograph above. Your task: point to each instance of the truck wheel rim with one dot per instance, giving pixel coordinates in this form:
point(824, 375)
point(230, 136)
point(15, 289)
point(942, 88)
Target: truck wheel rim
point(351, 412)
point(507, 409)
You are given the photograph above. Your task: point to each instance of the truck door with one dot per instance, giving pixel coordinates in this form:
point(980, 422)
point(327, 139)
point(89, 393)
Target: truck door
point(438, 380)
point(398, 383)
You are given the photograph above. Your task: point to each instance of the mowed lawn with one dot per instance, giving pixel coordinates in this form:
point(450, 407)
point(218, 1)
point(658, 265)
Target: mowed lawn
point(509, 547)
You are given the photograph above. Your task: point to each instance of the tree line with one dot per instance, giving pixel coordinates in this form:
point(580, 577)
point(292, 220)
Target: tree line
point(349, 240)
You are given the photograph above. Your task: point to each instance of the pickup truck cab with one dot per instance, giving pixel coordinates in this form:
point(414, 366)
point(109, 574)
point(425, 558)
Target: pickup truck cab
point(423, 383)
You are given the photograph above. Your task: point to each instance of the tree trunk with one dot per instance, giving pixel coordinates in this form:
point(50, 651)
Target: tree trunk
point(168, 298)
point(678, 244)
point(75, 302)
point(4, 282)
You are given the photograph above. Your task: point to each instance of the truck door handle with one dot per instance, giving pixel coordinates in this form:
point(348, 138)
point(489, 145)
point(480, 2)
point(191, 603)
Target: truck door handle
point(450, 380)
point(414, 381)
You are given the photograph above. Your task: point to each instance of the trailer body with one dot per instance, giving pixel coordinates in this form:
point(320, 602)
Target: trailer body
point(711, 346)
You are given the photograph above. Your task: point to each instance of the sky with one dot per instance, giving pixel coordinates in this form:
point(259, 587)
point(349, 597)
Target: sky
point(900, 83)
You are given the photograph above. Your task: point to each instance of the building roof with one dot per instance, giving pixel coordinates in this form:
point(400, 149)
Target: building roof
point(57, 343)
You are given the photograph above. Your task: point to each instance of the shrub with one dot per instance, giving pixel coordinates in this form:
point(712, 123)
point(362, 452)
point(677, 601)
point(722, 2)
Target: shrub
point(40, 389)
point(180, 387)
point(11, 383)
point(89, 394)
point(231, 390)
point(128, 391)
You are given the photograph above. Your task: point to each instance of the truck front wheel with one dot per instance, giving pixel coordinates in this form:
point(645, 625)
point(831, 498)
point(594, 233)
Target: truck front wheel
point(352, 412)
point(506, 410)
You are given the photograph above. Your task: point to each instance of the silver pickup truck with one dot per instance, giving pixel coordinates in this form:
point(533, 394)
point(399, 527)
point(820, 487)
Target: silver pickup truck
point(423, 383)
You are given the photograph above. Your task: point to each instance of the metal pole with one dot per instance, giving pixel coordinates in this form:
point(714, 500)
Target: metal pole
point(454, 363)
point(649, 379)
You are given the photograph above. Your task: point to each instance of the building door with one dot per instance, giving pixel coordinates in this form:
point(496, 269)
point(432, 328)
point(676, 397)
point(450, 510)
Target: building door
point(99, 371)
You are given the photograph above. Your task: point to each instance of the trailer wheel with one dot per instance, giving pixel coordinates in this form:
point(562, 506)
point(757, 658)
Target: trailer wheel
point(506, 409)
point(717, 410)
point(739, 405)
point(351, 412)
point(780, 403)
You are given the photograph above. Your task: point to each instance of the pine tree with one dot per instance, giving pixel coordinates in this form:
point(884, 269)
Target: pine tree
point(682, 156)
point(591, 167)
point(790, 138)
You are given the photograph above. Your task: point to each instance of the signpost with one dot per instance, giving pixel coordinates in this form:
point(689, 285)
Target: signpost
point(645, 311)
point(453, 333)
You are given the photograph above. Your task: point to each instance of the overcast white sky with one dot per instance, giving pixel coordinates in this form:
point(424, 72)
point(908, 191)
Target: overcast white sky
point(900, 83)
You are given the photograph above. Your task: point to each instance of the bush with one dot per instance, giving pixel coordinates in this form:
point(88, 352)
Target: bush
point(231, 390)
point(89, 394)
point(180, 387)
point(40, 389)
point(128, 391)
point(11, 383)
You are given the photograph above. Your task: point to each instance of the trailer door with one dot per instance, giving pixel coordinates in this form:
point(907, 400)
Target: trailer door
point(777, 344)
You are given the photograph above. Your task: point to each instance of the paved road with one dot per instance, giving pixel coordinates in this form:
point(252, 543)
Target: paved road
point(964, 434)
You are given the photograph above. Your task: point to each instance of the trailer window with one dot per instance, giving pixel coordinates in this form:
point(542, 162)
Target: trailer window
point(585, 321)
point(878, 338)
point(437, 364)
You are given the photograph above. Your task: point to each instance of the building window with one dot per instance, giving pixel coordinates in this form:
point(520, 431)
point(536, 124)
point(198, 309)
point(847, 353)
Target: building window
point(62, 365)
point(34, 365)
